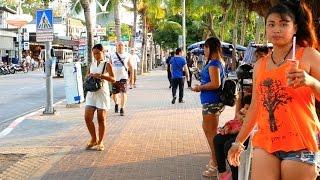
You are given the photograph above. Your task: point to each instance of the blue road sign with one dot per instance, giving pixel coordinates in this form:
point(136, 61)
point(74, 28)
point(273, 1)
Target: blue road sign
point(44, 20)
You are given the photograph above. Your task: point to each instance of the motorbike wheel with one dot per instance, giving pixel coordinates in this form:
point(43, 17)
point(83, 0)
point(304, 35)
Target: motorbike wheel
point(12, 70)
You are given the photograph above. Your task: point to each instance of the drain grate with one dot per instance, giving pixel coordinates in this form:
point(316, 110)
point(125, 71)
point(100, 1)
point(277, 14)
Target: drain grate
point(7, 160)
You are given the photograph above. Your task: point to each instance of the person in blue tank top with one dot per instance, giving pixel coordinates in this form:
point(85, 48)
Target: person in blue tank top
point(212, 76)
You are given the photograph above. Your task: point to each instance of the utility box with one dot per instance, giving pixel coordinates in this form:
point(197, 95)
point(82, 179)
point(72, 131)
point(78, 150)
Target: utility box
point(73, 83)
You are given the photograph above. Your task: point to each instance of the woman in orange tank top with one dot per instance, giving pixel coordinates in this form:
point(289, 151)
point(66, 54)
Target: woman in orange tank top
point(283, 101)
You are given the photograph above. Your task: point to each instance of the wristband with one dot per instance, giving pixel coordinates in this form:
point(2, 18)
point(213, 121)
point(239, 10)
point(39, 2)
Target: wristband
point(239, 145)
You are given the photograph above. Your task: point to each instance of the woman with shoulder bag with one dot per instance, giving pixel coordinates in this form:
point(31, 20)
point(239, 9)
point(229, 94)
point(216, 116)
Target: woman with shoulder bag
point(212, 74)
point(98, 100)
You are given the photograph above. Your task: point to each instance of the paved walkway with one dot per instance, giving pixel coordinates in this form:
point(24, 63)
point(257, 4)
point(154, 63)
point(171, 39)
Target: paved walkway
point(154, 140)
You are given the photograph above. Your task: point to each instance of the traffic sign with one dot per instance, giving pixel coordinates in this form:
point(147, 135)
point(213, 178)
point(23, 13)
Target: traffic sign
point(44, 23)
point(26, 45)
point(100, 31)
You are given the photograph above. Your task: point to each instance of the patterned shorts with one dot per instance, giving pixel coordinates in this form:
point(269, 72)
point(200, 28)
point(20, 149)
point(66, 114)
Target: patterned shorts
point(215, 109)
point(119, 86)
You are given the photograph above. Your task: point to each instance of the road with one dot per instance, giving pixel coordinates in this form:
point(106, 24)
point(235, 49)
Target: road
point(22, 93)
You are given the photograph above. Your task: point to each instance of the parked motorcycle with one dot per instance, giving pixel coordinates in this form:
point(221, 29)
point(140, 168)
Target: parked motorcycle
point(20, 68)
point(11, 69)
point(4, 70)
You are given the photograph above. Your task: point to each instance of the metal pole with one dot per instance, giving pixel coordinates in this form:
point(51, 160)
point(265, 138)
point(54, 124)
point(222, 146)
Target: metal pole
point(20, 45)
point(19, 11)
point(49, 106)
point(184, 25)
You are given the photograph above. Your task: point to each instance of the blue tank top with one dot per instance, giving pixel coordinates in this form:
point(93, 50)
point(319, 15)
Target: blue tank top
point(211, 96)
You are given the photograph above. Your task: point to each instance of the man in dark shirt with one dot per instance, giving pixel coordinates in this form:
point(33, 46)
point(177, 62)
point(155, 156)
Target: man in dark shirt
point(168, 67)
point(178, 65)
point(190, 65)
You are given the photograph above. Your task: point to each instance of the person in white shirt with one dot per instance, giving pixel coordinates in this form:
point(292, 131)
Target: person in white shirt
point(28, 61)
point(135, 60)
point(121, 64)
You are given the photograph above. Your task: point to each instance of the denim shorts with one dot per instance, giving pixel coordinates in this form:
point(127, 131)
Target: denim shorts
point(304, 156)
point(215, 109)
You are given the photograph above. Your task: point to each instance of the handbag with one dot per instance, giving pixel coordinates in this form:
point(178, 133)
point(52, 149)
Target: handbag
point(92, 84)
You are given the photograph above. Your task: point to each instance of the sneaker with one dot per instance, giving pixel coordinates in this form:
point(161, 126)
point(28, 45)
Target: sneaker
point(173, 100)
point(181, 101)
point(116, 108)
point(225, 176)
point(121, 112)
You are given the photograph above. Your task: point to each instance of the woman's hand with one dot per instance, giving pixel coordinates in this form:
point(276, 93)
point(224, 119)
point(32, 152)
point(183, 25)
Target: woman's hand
point(298, 77)
point(234, 154)
point(196, 88)
point(95, 75)
point(225, 129)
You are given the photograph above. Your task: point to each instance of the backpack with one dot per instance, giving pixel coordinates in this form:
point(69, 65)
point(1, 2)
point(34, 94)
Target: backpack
point(228, 92)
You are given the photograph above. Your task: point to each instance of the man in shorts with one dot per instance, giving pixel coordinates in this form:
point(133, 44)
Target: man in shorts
point(121, 64)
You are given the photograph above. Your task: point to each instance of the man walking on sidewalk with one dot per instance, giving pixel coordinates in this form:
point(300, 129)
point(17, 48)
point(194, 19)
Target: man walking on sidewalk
point(121, 63)
point(178, 66)
point(135, 60)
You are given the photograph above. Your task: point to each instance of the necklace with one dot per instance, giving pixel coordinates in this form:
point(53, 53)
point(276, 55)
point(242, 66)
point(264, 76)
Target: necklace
point(283, 60)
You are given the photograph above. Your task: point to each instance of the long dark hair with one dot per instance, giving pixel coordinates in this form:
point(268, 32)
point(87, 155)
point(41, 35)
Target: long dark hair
point(301, 14)
point(214, 46)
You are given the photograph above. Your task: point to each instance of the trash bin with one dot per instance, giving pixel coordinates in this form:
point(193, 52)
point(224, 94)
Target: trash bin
point(73, 83)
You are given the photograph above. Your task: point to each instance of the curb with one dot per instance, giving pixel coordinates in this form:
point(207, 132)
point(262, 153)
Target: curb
point(18, 120)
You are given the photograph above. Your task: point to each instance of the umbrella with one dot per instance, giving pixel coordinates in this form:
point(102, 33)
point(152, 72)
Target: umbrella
point(197, 51)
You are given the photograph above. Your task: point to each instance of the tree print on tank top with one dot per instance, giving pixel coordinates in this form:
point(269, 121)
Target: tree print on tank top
point(273, 94)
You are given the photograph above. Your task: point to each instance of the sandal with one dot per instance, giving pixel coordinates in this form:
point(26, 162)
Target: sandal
point(100, 147)
point(210, 165)
point(211, 172)
point(90, 145)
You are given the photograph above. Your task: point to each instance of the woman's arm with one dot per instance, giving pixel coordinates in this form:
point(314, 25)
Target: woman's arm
point(215, 82)
point(248, 124)
point(312, 57)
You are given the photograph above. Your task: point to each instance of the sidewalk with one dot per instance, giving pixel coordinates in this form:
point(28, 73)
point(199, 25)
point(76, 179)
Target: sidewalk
point(154, 140)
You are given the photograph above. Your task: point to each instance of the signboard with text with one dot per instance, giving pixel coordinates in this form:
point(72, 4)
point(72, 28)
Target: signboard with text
point(44, 25)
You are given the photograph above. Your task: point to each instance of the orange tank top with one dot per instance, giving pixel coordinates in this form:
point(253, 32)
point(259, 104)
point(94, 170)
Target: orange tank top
point(287, 119)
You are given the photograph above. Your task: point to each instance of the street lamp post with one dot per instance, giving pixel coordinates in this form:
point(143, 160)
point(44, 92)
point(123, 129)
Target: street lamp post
point(19, 20)
point(184, 25)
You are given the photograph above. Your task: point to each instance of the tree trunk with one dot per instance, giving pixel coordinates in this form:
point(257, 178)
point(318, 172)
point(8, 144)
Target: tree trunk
point(224, 21)
point(272, 121)
point(87, 15)
point(117, 20)
point(134, 27)
point(258, 28)
point(244, 25)
point(210, 28)
point(143, 61)
point(235, 39)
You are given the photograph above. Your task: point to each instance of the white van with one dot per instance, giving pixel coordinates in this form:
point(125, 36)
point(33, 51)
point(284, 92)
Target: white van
point(63, 56)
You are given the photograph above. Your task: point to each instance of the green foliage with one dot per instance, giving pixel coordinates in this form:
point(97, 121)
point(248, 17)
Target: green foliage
point(126, 30)
point(167, 34)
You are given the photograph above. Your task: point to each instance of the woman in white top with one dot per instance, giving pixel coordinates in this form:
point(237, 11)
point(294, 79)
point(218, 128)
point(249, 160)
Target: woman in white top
point(98, 100)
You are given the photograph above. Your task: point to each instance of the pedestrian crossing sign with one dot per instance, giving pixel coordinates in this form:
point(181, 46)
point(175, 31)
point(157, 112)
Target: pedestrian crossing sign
point(44, 20)
point(44, 23)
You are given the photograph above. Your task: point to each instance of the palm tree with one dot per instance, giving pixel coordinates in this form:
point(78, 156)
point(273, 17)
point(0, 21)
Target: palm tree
point(134, 26)
point(117, 20)
point(89, 12)
point(85, 5)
